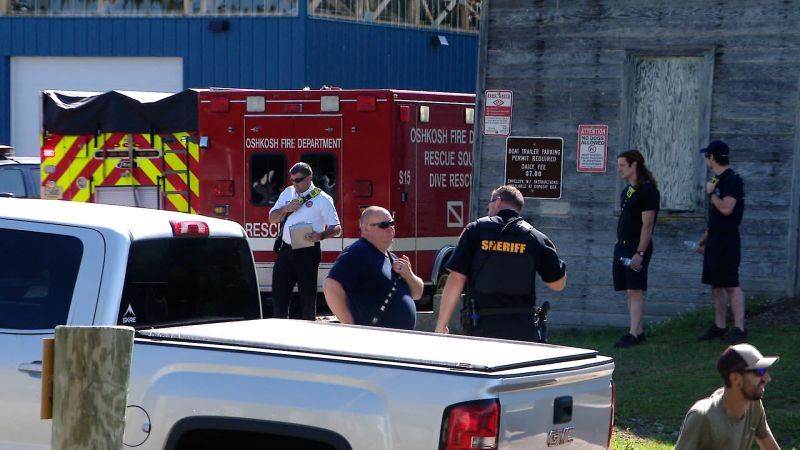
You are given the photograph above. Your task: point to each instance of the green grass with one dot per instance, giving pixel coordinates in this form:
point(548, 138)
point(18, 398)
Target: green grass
point(659, 380)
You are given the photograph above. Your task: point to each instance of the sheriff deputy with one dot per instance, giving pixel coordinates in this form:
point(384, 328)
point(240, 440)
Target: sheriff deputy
point(496, 259)
point(301, 202)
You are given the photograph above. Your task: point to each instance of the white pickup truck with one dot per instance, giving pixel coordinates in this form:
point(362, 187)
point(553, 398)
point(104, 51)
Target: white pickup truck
point(209, 373)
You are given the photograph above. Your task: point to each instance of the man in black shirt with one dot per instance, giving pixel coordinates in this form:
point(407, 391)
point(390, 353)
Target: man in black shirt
point(639, 204)
point(721, 244)
point(496, 259)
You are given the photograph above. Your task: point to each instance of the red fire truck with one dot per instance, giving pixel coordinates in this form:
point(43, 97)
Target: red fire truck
point(408, 151)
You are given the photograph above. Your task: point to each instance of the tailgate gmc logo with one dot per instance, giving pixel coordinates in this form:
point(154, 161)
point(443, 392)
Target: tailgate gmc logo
point(560, 436)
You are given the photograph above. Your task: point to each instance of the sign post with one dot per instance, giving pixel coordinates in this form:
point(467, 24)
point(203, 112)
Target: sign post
point(497, 113)
point(592, 148)
point(534, 165)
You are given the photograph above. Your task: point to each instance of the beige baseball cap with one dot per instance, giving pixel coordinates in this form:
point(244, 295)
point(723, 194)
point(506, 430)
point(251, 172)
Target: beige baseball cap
point(743, 357)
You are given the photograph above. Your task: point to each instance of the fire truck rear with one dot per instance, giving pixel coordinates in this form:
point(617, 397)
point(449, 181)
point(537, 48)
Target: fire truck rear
point(410, 152)
point(227, 152)
point(121, 147)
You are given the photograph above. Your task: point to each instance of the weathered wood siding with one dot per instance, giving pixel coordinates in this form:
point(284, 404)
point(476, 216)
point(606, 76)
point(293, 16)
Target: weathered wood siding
point(569, 63)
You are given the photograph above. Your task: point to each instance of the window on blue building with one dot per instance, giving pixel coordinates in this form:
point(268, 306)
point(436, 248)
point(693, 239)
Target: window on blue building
point(148, 7)
point(460, 15)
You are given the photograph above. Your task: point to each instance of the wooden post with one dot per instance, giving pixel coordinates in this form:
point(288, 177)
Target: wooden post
point(90, 386)
point(46, 407)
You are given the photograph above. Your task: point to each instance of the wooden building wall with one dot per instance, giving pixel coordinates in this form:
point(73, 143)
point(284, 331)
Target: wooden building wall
point(575, 62)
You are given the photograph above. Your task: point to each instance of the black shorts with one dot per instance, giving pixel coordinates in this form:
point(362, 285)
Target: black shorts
point(721, 260)
point(624, 277)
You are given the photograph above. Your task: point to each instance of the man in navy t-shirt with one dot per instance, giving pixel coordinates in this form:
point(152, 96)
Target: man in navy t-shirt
point(369, 285)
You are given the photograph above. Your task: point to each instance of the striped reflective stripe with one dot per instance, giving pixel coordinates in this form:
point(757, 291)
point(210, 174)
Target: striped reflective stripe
point(75, 157)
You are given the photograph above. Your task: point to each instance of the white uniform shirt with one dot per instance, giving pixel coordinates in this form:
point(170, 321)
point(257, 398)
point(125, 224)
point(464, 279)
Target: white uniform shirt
point(319, 211)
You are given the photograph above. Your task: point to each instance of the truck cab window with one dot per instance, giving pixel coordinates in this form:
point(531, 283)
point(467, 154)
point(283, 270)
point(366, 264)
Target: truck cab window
point(12, 181)
point(181, 281)
point(267, 178)
point(325, 170)
point(37, 280)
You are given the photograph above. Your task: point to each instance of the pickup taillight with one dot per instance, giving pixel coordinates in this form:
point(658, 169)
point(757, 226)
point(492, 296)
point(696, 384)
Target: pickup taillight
point(189, 228)
point(611, 420)
point(471, 425)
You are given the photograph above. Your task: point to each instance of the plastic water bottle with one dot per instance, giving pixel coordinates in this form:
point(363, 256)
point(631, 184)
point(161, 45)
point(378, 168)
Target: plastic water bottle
point(627, 263)
point(691, 245)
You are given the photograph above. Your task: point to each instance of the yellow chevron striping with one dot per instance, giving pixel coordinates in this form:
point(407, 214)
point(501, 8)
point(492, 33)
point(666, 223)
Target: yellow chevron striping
point(150, 167)
point(76, 169)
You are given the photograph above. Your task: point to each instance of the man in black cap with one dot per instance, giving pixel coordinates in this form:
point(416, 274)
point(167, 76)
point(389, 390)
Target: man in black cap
point(721, 244)
point(733, 415)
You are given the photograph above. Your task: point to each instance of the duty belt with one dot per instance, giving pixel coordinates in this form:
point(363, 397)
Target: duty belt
point(504, 311)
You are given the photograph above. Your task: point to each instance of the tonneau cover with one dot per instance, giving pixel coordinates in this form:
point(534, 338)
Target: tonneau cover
point(454, 352)
point(74, 113)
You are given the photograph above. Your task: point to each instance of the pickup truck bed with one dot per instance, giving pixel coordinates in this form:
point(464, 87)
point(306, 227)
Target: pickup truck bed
point(476, 355)
point(351, 378)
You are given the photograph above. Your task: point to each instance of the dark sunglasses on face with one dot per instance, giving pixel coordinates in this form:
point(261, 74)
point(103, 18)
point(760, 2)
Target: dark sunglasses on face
point(299, 180)
point(759, 372)
point(385, 224)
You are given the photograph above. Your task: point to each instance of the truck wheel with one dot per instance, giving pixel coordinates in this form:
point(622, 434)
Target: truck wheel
point(440, 282)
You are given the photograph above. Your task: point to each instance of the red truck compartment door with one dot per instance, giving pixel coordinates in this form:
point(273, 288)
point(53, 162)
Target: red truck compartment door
point(268, 154)
point(272, 145)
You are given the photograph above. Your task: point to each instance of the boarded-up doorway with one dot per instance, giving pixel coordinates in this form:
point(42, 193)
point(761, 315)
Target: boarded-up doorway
point(666, 115)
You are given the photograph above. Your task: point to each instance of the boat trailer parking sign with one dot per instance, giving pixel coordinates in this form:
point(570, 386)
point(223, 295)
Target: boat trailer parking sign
point(497, 113)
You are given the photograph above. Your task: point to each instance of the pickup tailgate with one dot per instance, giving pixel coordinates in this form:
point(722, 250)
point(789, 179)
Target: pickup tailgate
point(561, 405)
point(549, 395)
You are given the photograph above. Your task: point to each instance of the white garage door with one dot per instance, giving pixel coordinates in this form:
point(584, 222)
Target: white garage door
point(31, 75)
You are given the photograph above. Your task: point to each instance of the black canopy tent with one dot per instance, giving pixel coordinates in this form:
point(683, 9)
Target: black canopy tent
point(75, 113)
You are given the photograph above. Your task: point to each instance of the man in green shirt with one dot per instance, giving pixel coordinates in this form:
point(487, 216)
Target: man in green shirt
point(733, 415)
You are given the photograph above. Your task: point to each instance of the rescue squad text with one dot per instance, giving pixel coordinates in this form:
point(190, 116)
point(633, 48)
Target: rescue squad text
point(261, 229)
point(448, 158)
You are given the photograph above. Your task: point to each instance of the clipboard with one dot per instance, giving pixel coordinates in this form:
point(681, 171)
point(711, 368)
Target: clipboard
point(297, 234)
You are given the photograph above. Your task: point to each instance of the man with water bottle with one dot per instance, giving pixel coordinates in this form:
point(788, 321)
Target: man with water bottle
point(721, 244)
point(639, 205)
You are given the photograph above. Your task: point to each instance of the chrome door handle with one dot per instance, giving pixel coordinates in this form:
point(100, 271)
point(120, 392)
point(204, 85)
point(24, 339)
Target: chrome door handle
point(33, 367)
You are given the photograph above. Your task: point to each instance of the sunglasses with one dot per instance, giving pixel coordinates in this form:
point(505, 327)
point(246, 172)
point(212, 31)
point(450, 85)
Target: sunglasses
point(299, 180)
point(384, 225)
point(759, 372)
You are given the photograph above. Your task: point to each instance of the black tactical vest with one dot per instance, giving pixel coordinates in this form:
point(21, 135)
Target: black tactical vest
point(503, 267)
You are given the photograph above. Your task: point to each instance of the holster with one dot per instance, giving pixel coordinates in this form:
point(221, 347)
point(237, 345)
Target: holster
point(466, 322)
point(469, 315)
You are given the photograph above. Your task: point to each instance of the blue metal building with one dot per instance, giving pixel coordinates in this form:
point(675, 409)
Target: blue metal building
point(282, 52)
